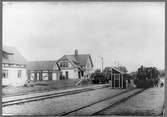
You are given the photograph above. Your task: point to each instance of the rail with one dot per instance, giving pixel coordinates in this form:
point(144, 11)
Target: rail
point(42, 97)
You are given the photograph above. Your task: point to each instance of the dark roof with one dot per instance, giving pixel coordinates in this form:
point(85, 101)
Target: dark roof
point(12, 56)
point(41, 65)
point(82, 58)
point(79, 60)
point(116, 69)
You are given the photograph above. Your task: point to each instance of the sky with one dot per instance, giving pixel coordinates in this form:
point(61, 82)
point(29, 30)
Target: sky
point(125, 33)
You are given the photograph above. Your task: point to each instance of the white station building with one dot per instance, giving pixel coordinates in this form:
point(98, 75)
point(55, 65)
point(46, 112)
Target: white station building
point(14, 71)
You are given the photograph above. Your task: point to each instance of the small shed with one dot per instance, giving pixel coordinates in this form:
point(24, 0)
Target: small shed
point(119, 79)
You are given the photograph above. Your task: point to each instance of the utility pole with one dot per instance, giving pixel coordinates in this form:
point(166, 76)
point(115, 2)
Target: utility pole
point(114, 63)
point(102, 63)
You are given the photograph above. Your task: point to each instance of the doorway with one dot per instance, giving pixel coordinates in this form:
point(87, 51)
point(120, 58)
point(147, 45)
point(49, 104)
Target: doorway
point(66, 74)
point(79, 75)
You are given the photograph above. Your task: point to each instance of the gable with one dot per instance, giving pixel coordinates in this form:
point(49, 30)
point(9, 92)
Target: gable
point(12, 56)
point(55, 66)
point(70, 59)
point(78, 61)
point(65, 62)
point(89, 63)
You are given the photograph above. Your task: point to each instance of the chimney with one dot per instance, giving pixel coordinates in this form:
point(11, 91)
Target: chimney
point(76, 52)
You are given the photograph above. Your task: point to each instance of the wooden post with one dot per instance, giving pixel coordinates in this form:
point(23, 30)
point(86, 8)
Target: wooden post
point(114, 81)
point(57, 75)
point(118, 80)
point(111, 80)
point(35, 76)
point(122, 81)
point(49, 75)
point(40, 76)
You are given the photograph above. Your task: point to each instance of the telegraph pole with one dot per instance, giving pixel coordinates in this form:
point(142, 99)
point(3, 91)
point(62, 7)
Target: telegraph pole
point(102, 63)
point(114, 63)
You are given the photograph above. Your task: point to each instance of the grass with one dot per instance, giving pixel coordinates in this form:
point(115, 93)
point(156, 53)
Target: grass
point(43, 86)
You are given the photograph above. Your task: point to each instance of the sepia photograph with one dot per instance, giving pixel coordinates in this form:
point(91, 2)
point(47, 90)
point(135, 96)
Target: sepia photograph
point(81, 58)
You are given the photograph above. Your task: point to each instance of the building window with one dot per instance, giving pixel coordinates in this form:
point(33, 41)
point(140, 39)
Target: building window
point(19, 73)
point(22, 66)
point(45, 76)
point(63, 64)
point(5, 74)
point(6, 65)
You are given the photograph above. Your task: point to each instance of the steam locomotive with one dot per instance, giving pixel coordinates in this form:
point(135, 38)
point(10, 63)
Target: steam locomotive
point(147, 77)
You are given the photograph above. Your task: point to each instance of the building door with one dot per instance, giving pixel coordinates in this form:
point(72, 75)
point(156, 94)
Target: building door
point(66, 74)
point(79, 75)
point(116, 81)
point(49, 75)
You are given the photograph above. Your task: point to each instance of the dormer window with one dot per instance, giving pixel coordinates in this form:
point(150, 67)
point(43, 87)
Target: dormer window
point(64, 64)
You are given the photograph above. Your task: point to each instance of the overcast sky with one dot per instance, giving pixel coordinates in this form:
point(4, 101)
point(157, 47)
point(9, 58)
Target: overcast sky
point(131, 33)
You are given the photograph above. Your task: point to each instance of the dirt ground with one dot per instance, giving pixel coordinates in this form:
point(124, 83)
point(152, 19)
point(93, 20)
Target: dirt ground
point(148, 103)
point(57, 105)
point(41, 86)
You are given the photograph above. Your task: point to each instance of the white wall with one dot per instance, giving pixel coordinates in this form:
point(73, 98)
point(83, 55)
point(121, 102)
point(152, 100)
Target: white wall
point(72, 73)
point(13, 79)
point(88, 64)
point(89, 69)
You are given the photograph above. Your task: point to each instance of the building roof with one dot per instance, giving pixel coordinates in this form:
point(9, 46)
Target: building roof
point(12, 56)
point(82, 59)
point(42, 65)
point(79, 60)
point(116, 69)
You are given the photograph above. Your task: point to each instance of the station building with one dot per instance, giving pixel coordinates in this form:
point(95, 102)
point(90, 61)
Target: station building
point(76, 66)
point(14, 71)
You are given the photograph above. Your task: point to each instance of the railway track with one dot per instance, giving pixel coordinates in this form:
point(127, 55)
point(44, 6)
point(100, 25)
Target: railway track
point(98, 106)
point(42, 97)
point(119, 102)
point(26, 93)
